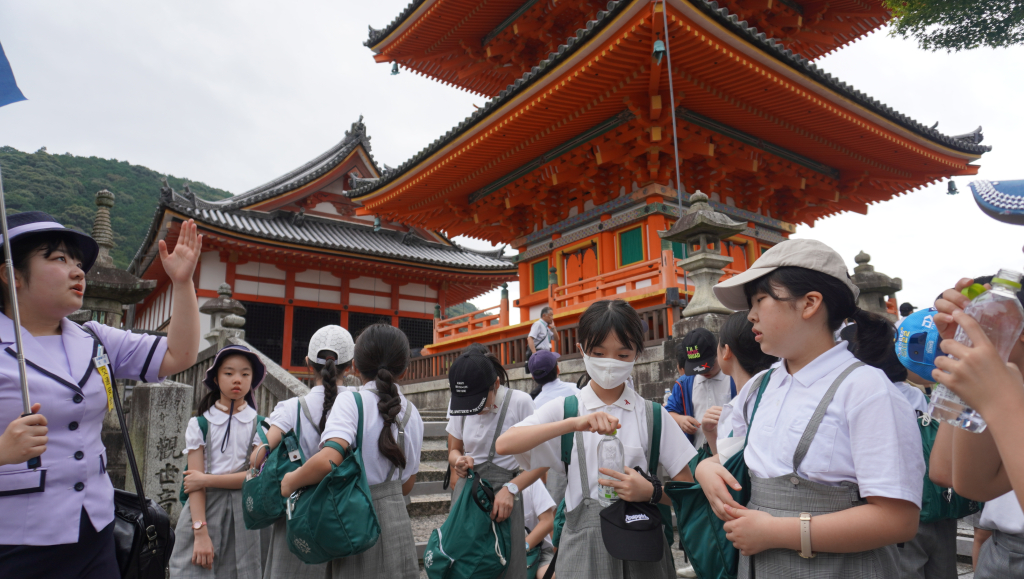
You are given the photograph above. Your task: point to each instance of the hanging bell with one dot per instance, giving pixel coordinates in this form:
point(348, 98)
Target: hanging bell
point(394, 68)
point(951, 188)
point(659, 51)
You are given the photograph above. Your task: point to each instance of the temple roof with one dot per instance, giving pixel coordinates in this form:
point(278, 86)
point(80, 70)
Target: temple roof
point(968, 143)
point(354, 137)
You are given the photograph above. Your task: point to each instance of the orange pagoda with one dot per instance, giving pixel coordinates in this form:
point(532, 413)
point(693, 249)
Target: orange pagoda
point(572, 160)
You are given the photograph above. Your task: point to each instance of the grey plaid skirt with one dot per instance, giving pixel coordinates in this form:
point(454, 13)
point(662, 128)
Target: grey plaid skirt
point(1001, 557)
point(394, 555)
point(582, 555)
point(788, 496)
point(236, 550)
point(282, 563)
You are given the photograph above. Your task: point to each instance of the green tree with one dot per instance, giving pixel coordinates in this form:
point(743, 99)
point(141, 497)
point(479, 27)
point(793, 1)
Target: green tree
point(956, 25)
point(65, 186)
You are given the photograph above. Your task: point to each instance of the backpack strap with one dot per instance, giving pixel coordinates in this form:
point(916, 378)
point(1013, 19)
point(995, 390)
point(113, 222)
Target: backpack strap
point(570, 409)
point(501, 422)
point(819, 414)
point(359, 426)
point(654, 436)
point(307, 414)
point(401, 440)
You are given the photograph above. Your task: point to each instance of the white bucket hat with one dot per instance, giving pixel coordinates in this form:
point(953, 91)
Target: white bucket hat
point(334, 339)
point(805, 253)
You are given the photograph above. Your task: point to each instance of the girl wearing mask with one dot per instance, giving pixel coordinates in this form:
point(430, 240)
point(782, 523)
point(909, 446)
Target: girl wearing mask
point(611, 337)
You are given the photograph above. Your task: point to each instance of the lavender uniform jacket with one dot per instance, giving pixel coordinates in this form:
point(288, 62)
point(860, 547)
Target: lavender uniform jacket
point(43, 507)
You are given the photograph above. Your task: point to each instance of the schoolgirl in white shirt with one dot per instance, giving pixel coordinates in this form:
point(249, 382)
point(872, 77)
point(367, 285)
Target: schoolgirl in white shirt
point(834, 451)
point(539, 520)
point(482, 406)
point(210, 539)
point(611, 336)
point(329, 357)
point(381, 357)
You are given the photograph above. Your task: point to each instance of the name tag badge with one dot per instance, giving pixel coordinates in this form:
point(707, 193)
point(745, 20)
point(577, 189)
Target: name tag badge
point(103, 368)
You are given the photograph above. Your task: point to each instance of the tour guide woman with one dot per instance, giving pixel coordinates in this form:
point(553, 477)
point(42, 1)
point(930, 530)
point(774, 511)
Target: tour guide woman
point(57, 521)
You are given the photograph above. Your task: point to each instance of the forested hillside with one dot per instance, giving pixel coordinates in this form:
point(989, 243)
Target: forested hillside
point(65, 186)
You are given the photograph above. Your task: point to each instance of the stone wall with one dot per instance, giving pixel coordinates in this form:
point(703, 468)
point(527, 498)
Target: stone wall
point(654, 372)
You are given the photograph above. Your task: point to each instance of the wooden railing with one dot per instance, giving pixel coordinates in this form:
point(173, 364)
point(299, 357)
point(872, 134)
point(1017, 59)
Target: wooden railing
point(623, 283)
point(512, 350)
point(471, 322)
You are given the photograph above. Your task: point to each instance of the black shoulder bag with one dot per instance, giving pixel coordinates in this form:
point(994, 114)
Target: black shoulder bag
point(143, 538)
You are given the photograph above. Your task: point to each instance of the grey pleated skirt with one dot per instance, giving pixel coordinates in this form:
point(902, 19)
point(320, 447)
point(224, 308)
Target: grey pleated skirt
point(1001, 557)
point(394, 555)
point(236, 550)
point(282, 563)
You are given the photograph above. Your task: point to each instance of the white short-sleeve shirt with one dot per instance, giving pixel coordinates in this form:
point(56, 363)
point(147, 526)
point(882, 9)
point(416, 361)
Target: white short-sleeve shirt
point(286, 411)
point(235, 455)
point(478, 432)
point(675, 450)
point(554, 389)
point(342, 421)
point(1004, 514)
point(913, 395)
point(542, 335)
point(536, 501)
point(869, 434)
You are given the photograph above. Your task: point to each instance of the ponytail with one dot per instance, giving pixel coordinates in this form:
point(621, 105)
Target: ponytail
point(875, 334)
point(207, 401)
point(329, 373)
point(381, 355)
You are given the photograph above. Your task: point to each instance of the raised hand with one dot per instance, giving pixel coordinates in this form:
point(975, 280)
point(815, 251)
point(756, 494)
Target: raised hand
point(181, 264)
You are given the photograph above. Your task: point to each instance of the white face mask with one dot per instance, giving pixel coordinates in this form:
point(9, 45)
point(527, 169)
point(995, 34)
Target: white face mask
point(607, 373)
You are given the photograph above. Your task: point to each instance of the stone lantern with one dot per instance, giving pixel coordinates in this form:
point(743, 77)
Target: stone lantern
point(220, 309)
point(874, 286)
point(701, 230)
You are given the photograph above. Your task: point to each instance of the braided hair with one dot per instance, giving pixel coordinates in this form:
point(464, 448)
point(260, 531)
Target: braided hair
point(382, 355)
point(329, 373)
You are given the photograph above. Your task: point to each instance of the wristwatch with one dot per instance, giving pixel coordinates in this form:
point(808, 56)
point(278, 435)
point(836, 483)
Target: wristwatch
point(805, 536)
point(512, 488)
point(198, 525)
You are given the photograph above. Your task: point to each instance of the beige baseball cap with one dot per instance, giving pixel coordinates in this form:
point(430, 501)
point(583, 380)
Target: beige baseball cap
point(805, 253)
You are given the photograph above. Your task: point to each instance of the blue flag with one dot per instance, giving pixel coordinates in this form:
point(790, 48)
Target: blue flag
point(9, 91)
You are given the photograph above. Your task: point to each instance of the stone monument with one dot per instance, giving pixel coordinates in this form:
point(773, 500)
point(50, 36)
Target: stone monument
point(874, 286)
point(160, 413)
point(701, 230)
point(220, 309)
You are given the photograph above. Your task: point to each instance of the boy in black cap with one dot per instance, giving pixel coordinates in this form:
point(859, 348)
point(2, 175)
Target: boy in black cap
point(702, 387)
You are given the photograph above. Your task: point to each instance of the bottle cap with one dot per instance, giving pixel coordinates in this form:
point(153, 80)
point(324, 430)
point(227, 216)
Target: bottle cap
point(613, 433)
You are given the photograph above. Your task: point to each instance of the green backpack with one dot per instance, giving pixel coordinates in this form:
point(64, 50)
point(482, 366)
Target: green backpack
point(570, 409)
point(469, 545)
point(700, 531)
point(336, 518)
point(261, 492)
point(938, 503)
point(204, 427)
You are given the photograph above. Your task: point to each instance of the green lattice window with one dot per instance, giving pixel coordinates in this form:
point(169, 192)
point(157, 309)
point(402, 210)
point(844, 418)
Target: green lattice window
point(679, 250)
point(539, 275)
point(631, 246)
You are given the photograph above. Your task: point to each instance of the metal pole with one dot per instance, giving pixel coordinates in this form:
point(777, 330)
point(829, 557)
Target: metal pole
point(672, 101)
point(13, 296)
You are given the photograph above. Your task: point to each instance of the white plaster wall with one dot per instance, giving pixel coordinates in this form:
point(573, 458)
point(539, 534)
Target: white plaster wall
point(212, 271)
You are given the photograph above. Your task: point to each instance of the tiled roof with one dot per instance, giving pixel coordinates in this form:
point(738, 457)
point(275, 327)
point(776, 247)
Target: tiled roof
point(310, 171)
point(378, 35)
point(965, 143)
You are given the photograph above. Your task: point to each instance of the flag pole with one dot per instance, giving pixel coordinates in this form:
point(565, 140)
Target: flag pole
point(13, 295)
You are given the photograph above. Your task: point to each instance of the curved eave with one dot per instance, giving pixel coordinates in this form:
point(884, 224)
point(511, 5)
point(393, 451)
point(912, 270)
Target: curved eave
point(776, 62)
point(333, 174)
point(404, 21)
point(370, 257)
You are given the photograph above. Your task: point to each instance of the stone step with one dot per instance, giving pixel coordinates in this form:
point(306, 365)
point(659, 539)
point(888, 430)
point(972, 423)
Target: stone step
point(434, 449)
point(433, 414)
point(428, 505)
point(428, 488)
point(432, 470)
point(435, 430)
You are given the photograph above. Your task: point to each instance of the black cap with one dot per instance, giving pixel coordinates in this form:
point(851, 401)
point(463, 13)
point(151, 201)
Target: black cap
point(633, 532)
point(701, 350)
point(470, 379)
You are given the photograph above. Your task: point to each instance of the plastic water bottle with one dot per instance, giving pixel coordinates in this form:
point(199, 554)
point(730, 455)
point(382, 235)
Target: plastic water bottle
point(668, 393)
point(611, 456)
point(1000, 315)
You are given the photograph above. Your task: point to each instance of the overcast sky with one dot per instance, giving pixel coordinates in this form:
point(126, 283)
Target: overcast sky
point(234, 94)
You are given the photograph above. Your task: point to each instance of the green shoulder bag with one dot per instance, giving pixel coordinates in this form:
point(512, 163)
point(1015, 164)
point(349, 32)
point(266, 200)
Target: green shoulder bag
point(336, 518)
point(469, 545)
point(570, 409)
point(262, 503)
point(701, 532)
point(938, 503)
